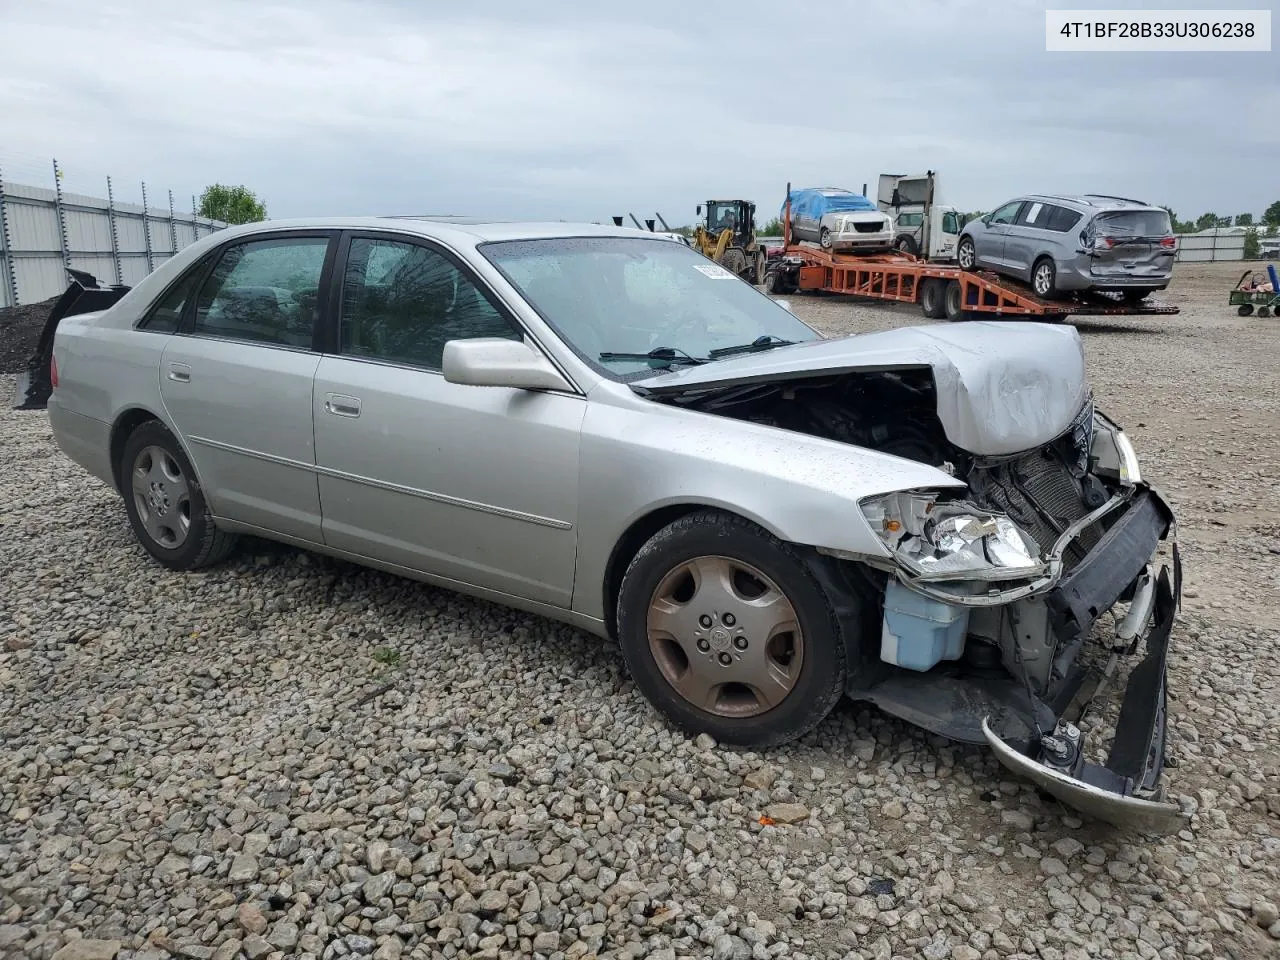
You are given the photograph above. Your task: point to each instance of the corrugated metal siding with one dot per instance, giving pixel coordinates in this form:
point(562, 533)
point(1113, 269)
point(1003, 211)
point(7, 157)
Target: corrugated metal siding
point(1207, 247)
point(36, 239)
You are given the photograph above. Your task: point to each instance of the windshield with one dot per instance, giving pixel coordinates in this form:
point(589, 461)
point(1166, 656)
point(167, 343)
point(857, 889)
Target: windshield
point(632, 295)
point(1135, 223)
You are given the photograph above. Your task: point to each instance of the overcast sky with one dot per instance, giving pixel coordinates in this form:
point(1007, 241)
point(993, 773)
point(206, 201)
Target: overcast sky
point(579, 110)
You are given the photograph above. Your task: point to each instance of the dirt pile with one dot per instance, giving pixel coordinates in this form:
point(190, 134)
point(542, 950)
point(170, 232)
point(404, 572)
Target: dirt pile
point(20, 331)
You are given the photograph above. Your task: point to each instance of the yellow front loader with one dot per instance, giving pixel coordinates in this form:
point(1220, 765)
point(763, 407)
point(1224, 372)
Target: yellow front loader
point(727, 235)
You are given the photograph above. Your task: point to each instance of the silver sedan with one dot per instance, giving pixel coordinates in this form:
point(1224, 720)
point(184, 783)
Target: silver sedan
point(607, 428)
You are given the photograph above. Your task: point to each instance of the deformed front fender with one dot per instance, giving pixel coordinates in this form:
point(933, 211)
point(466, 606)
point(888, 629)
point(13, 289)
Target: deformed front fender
point(639, 457)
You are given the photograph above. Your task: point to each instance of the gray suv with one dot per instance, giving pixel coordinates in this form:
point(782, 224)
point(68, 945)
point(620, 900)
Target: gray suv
point(1061, 245)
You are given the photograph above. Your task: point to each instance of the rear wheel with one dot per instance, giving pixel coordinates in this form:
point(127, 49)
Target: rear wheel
point(933, 299)
point(165, 503)
point(1044, 278)
point(725, 630)
point(908, 246)
point(966, 254)
point(953, 302)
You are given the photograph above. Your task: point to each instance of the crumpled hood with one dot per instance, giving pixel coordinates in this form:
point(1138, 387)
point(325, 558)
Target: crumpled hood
point(1003, 387)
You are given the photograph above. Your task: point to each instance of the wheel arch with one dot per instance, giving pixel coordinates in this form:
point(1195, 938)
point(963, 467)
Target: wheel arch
point(638, 533)
point(127, 421)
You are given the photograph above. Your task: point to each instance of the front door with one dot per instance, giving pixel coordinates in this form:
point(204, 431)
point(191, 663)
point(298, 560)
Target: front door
point(236, 381)
point(991, 242)
point(474, 484)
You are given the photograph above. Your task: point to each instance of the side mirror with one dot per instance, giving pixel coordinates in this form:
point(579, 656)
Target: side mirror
point(497, 362)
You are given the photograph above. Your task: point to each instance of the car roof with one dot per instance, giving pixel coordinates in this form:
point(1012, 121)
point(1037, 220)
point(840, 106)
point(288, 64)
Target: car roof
point(1095, 201)
point(446, 226)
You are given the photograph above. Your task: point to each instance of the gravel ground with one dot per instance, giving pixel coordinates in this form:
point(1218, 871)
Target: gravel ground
point(287, 756)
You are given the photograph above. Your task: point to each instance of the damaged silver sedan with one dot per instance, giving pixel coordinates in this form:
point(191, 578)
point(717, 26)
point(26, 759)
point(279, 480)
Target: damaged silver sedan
point(609, 429)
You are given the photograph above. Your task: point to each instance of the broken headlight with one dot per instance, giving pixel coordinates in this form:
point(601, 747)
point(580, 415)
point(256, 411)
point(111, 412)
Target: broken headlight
point(951, 540)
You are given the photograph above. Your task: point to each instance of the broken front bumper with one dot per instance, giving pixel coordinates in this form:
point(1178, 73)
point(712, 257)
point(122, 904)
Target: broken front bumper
point(1127, 789)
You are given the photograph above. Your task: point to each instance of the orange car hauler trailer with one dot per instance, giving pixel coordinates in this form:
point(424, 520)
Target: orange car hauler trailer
point(942, 290)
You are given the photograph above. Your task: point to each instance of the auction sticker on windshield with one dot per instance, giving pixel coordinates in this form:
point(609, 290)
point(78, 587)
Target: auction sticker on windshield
point(714, 272)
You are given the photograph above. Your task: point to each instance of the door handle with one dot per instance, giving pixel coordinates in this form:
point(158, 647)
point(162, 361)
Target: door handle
point(341, 406)
point(179, 372)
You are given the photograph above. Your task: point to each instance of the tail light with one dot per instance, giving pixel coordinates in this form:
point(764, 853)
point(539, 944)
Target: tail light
point(1169, 242)
point(53, 372)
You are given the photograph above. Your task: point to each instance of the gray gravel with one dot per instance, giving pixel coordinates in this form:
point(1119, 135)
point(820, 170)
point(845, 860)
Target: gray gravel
point(290, 757)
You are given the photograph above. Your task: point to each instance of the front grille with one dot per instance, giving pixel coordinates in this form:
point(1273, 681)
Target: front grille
point(869, 227)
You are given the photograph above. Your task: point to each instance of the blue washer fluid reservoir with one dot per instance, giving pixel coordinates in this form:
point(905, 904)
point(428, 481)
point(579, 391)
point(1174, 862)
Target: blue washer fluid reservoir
point(920, 632)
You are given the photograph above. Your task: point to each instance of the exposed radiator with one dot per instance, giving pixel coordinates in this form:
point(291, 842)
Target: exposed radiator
point(1038, 493)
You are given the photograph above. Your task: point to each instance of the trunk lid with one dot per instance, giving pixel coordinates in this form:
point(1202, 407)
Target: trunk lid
point(1002, 387)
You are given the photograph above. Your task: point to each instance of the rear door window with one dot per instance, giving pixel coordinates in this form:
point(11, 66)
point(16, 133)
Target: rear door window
point(264, 291)
point(1034, 214)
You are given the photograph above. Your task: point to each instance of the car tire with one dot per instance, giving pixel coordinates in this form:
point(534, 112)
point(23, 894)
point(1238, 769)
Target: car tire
point(967, 254)
point(165, 502)
point(824, 238)
point(1263, 313)
point(1245, 309)
point(761, 267)
point(908, 246)
point(953, 302)
point(933, 300)
point(1044, 278)
point(1132, 297)
point(700, 576)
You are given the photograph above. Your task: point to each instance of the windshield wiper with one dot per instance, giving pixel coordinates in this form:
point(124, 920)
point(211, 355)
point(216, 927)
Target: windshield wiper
point(766, 342)
point(667, 355)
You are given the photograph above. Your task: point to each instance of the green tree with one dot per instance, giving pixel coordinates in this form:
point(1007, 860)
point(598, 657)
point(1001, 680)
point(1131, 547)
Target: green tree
point(1272, 214)
point(1244, 219)
point(1252, 249)
point(1207, 221)
point(232, 205)
point(772, 228)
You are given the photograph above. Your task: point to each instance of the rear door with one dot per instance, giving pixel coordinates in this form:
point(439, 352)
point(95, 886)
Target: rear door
point(473, 484)
point(236, 379)
point(1132, 245)
point(990, 243)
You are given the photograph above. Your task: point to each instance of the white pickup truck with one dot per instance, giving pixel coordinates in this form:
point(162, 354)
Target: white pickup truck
point(922, 227)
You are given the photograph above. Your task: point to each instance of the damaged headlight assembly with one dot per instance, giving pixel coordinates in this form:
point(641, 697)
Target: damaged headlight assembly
point(937, 539)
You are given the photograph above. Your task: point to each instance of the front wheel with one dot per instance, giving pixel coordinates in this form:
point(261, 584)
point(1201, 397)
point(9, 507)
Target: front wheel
point(907, 245)
point(725, 630)
point(966, 254)
point(761, 267)
point(824, 238)
point(165, 503)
